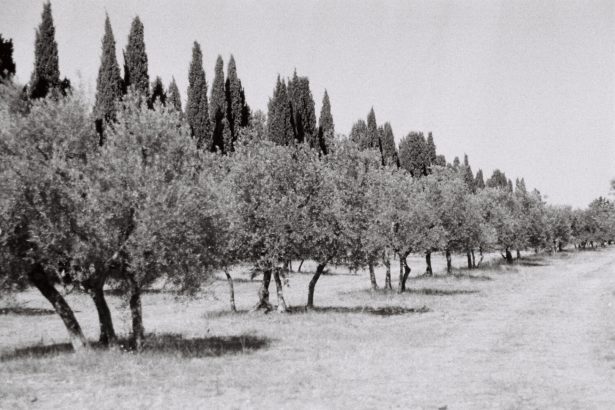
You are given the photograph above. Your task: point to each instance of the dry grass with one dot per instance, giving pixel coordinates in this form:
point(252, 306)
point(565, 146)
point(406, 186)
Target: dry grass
point(535, 335)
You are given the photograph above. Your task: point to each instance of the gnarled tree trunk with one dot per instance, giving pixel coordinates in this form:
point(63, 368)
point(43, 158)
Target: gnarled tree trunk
point(387, 264)
point(404, 272)
point(469, 256)
point(40, 280)
point(473, 259)
point(372, 275)
point(136, 312)
point(319, 270)
point(231, 287)
point(263, 293)
point(509, 258)
point(518, 254)
point(449, 264)
point(282, 308)
point(107, 333)
point(300, 265)
point(428, 270)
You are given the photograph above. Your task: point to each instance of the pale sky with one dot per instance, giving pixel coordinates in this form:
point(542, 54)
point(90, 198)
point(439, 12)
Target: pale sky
point(524, 86)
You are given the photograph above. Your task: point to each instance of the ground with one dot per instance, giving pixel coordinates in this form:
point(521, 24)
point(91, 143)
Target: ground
point(539, 334)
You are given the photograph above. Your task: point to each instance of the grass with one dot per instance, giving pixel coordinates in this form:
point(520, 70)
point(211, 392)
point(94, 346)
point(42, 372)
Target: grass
point(446, 341)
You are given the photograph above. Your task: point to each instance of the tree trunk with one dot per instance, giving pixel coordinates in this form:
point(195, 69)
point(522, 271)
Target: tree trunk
point(136, 311)
point(509, 258)
point(300, 265)
point(319, 270)
point(473, 260)
point(404, 272)
point(280, 291)
point(449, 265)
point(559, 246)
point(518, 254)
point(289, 266)
point(263, 293)
point(372, 276)
point(41, 282)
point(231, 288)
point(469, 256)
point(428, 270)
point(107, 332)
point(387, 264)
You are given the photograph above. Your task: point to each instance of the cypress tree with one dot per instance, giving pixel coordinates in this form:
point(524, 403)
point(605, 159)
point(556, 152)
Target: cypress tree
point(358, 134)
point(431, 149)
point(373, 139)
point(218, 107)
point(135, 60)
point(158, 93)
point(197, 109)
point(7, 65)
point(279, 118)
point(246, 113)
point(109, 82)
point(326, 128)
point(479, 180)
point(498, 180)
point(304, 113)
point(389, 151)
point(46, 74)
point(174, 98)
point(412, 158)
point(234, 99)
point(440, 160)
point(456, 163)
point(468, 176)
point(227, 137)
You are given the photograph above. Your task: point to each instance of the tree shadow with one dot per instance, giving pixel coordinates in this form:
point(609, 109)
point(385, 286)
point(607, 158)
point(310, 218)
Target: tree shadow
point(26, 311)
point(441, 292)
point(369, 310)
point(166, 344)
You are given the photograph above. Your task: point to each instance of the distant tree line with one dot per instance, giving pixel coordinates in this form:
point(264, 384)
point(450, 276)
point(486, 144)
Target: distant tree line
point(136, 190)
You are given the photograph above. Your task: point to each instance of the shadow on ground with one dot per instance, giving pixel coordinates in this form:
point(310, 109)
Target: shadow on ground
point(162, 344)
point(25, 311)
point(369, 310)
point(441, 292)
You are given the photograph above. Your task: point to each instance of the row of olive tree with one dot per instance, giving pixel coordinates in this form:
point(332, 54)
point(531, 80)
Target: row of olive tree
point(148, 205)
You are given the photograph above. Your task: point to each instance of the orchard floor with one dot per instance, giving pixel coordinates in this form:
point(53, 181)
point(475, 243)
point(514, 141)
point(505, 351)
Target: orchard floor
point(540, 334)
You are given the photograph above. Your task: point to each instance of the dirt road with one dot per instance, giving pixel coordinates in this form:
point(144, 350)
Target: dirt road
point(545, 341)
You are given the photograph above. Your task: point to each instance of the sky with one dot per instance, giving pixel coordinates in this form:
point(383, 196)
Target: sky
point(524, 86)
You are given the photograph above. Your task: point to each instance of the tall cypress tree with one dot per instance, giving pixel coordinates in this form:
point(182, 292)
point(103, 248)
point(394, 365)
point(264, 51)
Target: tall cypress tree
point(197, 108)
point(304, 112)
point(135, 60)
point(46, 74)
point(109, 82)
point(326, 128)
point(279, 118)
point(218, 107)
point(479, 180)
point(373, 139)
point(173, 96)
point(431, 149)
point(389, 151)
point(7, 64)
point(233, 98)
point(158, 93)
point(246, 112)
point(412, 154)
point(468, 176)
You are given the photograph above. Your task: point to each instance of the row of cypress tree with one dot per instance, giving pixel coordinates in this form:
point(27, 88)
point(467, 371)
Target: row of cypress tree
point(216, 122)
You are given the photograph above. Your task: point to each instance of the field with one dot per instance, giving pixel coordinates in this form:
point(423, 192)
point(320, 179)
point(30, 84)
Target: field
point(539, 334)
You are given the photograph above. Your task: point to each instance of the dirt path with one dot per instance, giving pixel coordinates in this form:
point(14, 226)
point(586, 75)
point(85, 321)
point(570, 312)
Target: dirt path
point(544, 343)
